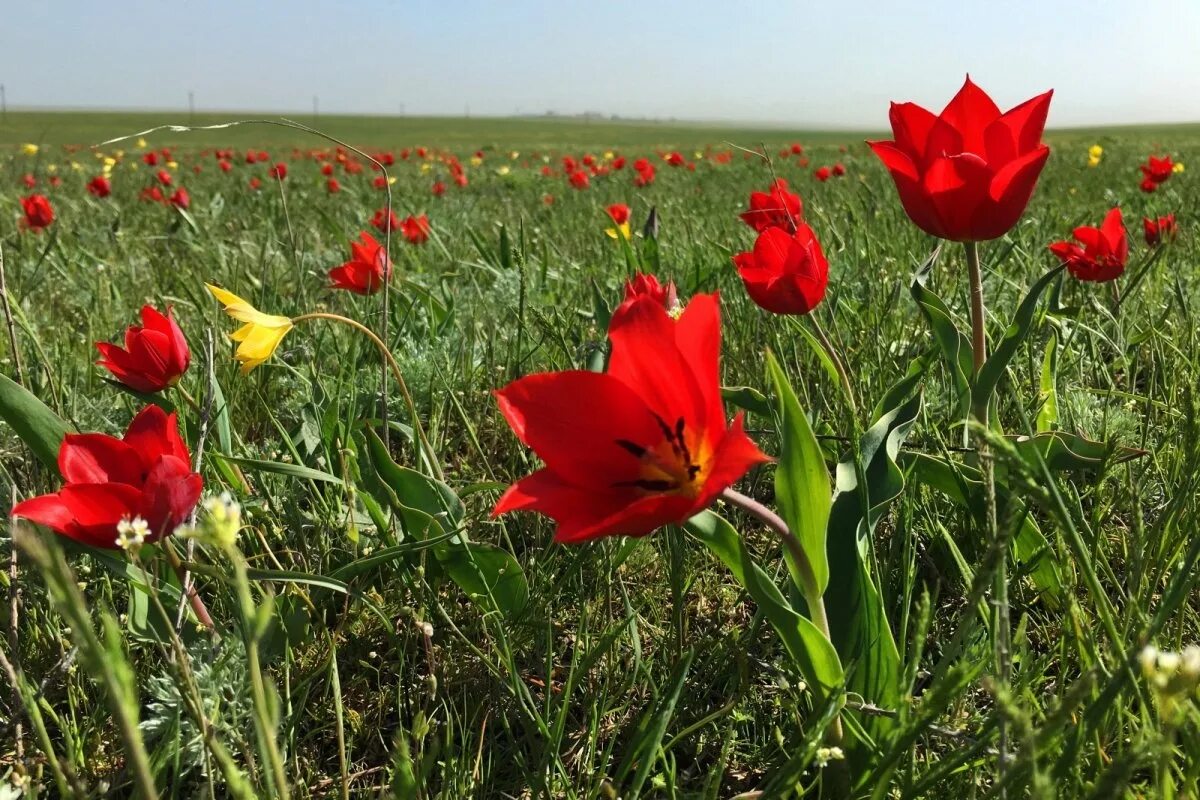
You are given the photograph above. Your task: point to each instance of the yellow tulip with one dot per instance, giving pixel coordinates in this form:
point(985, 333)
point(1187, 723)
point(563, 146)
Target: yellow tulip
point(1178, 167)
point(259, 337)
point(29, 149)
point(621, 230)
point(1093, 161)
point(476, 161)
point(504, 170)
point(141, 144)
point(1095, 151)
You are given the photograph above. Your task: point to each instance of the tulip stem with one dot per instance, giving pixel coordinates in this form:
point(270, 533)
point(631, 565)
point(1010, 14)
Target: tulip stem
point(430, 455)
point(193, 596)
point(812, 595)
point(1003, 625)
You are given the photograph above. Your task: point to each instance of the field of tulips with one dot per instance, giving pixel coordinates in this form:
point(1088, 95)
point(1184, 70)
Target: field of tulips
point(446, 459)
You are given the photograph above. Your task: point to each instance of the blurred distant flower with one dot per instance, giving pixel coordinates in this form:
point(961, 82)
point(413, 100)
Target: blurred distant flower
point(29, 149)
point(181, 199)
point(141, 143)
point(822, 174)
point(1148, 185)
point(255, 183)
point(1103, 253)
point(151, 194)
point(28, 180)
point(675, 159)
point(1157, 169)
point(579, 179)
point(385, 220)
point(279, 171)
point(1157, 231)
point(99, 186)
point(164, 177)
point(38, 211)
point(1178, 168)
point(259, 336)
point(415, 229)
point(332, 186)
point(968, 173)
point(366, 270)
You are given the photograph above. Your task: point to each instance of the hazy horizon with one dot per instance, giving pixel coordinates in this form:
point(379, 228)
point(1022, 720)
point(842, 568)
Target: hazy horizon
point(776, 63)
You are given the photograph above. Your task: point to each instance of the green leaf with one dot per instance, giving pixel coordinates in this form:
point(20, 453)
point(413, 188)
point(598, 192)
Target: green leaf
point(33, 421)
point(801, 486)
point(812, 653)
point(748, 398)
point(1066, 452)
point(409, 490)
point(490, 576)
point(1047, 416)
point(1018, 329)
point(281, 468)
point(858, 621)
point(954, 345)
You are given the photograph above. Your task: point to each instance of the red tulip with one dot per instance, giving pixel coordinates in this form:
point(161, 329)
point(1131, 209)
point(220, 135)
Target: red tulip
point(263, 155)
point(675, 159)
point(146, 474)
point(380, 182)
point(29, 181)
point(385, 220)
point(618, 212)
point(839, 169)
point(579, 179)
point(641, 446)
point(438, 189)
point(967, 174)
point(332, 186)
point(38, 211)
point(152, 194)
point(785, 273)
point(327, 169)
point(822, 173)
point(618, 162)
point(1157, 169)
point(279, 171)
point(645, 285)
point(181, 198)
point(99, 186)
point(797, 149)
point(151, 159)
point(255, 183)
point(1160, 230)
point(774, 208)
point(1104, 253)
point(415, 229)
point(155, 355)
point(367, 269)
point(224, 165)
point(460, 179)
point(164, 177)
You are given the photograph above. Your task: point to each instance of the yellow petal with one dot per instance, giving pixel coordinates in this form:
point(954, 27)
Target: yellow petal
point(242, 311)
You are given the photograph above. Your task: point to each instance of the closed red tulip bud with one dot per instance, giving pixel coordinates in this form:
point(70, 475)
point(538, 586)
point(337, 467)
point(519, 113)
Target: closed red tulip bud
point(151, 159)
point(152, 194)
point(618, 213)
point(775, 208)
point(38, 211)
point(255, 184)
point(164, 177)
point(438, 189)
point(968, 173)
point(786, 272)
point(415, 229)
point(99, 186)
point(327, 169)
point(618, 162)
point(643, 445)
point(144, 475)
point(181, 198)
point(155, 355)
point(224, 165)
point(646, 285)
point(1104, 250)
point(279, 171)
point(29, 181)
point(797, 149)
point(822, 174)
point(264, 156)
point(332, 186)
point(380, 182)
point(1163, 229)
point(367, 269)
point(460, 179)
point(839, 169)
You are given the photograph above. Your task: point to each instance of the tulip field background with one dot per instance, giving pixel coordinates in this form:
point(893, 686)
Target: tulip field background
point(622, 667)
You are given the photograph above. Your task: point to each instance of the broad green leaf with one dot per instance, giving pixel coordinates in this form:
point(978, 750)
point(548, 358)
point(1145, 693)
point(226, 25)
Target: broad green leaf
point(409, 489)
point(1018, 329)
point(801, 486)
point(1066, 452)
point(281, 468)
point(953, 343)
point(33, 421)
point(749, 399)
point(490, 576)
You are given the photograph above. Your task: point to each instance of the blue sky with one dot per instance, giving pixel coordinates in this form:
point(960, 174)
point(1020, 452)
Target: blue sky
point(815, 64)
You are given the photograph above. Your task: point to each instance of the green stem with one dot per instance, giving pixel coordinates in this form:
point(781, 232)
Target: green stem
point(390, 360)
point(193, 596)
point(812, 596)
point(847, 386)
point(1002, 634)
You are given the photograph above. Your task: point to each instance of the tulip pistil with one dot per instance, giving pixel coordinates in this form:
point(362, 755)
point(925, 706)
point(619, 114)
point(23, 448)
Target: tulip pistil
point(667, 467)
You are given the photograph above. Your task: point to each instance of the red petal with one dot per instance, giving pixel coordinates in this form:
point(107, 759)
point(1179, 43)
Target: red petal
point(154, 433)
point(1018, 130)
point(736, 453)
point(170, 493)
point(97, 458)
point(957, 187)
point(911, 125)
point(698, 336)
point(970, 112)
point(646, 358)
point(1009, 193)
point(574, 419)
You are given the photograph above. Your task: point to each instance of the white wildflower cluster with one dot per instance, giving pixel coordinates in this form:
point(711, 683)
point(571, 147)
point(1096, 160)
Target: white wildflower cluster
point(827, 754)
point(1174, 677)
point(221, 522)
point(131, 534)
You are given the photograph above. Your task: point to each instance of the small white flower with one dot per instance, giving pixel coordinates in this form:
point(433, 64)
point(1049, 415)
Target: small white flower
point(827, 754)
point(131, 534)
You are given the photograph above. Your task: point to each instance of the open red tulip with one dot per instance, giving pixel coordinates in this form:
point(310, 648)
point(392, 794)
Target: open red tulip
point(968, 173)
point(156, 353)
point(1103, 254)
point(366, 270)
point(786, 272)
point(639, 447)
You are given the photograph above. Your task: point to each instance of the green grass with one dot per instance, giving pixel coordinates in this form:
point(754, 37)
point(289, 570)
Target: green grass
point(636, 666)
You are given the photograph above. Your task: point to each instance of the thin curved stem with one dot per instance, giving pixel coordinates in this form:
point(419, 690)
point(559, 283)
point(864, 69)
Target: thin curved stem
point(189, 587)
point(830, 351)
point(816, 603)
point(390, 360)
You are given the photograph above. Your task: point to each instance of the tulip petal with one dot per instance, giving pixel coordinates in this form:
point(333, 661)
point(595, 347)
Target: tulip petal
point(575, 421)
point(911, 125)
point(698, 335)
point(97, 458)
point(154, 434)
point(970, 112)
point(736, 453)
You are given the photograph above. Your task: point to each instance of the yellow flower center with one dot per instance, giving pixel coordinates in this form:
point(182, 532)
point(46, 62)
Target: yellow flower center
point(677, 464)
